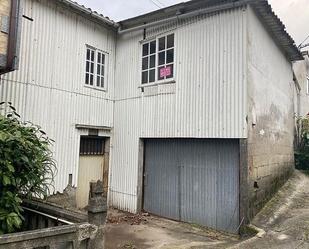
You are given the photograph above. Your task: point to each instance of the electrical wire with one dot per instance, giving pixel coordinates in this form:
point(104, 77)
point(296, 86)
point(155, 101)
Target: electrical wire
point(161, 3)
point(303, 42)
point(303, 46)
point(156, 4)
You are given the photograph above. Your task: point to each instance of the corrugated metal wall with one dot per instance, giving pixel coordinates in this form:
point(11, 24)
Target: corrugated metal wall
point(193, 180)
point(48, 89)
point(208, 99)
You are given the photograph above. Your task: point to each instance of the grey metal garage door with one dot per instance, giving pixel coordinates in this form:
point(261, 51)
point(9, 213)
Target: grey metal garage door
point(193, 180)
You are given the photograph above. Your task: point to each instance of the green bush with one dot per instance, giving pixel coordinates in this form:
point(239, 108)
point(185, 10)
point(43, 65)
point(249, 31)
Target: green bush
point(302, 152)
point(26, 167)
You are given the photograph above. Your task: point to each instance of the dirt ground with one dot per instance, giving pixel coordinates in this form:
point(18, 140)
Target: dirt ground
point(285, 220)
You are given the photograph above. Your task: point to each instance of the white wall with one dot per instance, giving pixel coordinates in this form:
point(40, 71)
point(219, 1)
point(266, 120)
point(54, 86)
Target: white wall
point(208, 99)
point(271, 114)
point(49, 90)
point(301, 70)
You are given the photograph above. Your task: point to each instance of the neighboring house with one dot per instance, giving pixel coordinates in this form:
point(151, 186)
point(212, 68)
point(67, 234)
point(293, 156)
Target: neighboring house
point(193, 105)
point(58, 39)
point(301, 71)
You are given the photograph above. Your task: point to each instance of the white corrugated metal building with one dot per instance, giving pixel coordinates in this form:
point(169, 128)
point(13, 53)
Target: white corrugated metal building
point(194, 104)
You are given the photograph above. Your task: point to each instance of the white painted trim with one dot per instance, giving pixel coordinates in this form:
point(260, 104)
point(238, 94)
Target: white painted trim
point(106, 69)
point(156, 38)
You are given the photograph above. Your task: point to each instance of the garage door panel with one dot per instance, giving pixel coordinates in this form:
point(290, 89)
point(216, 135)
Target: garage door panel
point(193, 180)
point(227, 186)
point(161, 199)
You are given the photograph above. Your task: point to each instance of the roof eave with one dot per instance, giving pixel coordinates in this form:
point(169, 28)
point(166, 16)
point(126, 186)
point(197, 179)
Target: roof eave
point(92, 14)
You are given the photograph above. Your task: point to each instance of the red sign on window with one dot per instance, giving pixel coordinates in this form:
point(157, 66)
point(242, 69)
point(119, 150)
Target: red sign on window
point(165, 72)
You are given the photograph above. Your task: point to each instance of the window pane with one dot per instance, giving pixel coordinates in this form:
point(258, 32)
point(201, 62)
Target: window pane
point(162, 58)
point(145, 77)
point(103, 59)
point(169, 71)
point(87, 66)
point(88, 54)
point(92, 68)
point(162, 43)
point(102, 81)
point(146, 49)
point(99, 57)
point(92, 55)
point(91, 80)
point(152, 47)
point(87, 79)
point(102, 70)
point(145, 63)
point(98, 80)
point(170, 41)
point(152, 61)
point(98, 70)
point(170, 56)
point(161, 73)
point(152, 75)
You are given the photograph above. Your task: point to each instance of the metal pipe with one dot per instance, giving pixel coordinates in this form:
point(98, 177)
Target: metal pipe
point(48, 216)
point(187, 15)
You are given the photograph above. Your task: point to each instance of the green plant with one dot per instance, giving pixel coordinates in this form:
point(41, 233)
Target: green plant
point(26, 167)
point(302, 151)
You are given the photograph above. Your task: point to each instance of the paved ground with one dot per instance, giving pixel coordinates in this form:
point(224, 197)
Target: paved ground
point(141, 232)
point(285, 220)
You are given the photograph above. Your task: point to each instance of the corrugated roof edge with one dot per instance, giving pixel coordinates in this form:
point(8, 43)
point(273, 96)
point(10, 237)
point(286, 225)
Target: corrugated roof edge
point(275, 26)
point(93, 14)
point(261, 7)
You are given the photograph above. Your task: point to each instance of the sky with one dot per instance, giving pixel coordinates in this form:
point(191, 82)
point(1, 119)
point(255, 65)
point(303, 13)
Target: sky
point(293, 13)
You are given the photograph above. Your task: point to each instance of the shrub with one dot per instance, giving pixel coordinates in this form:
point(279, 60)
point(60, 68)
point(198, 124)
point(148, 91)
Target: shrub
point(302, 151)
point(26, 167)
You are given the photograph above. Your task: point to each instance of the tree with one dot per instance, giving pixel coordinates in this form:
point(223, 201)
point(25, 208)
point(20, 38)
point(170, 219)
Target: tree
point(302, 151)
point(27, 167)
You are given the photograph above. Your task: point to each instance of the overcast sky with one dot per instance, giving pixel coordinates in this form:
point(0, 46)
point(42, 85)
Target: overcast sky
point(293, 13)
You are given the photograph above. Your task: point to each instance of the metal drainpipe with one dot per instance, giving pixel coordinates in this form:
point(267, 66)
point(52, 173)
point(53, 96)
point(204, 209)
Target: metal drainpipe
point(187, 15)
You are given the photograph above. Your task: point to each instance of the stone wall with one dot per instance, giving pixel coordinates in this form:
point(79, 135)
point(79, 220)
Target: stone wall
point(270, 115)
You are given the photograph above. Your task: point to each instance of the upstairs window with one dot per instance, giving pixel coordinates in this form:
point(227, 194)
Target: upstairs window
point(158, 59)
point(90, 66)
point(95, 68)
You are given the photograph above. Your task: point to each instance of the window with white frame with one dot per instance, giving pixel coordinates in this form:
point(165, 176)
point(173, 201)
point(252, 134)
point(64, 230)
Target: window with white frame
point(158, 59)
point(95, 68)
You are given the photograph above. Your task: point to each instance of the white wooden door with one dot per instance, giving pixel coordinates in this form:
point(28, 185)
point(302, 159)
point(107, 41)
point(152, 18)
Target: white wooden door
point(91, 167)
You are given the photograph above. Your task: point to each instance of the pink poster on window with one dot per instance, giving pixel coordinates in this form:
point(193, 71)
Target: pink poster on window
point(162, 72)
point(168, 71)
point(165, 72)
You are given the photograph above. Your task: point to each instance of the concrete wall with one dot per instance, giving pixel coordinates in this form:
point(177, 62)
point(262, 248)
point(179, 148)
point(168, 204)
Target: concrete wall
point(49, 88)
point(271, 115)
point(206, 100)
point(301, 71)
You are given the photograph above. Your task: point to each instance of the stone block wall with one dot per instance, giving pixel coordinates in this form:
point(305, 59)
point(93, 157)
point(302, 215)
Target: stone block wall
point(270, 116)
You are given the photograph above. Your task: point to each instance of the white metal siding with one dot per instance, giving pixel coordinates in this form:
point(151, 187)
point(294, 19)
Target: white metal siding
point(48, 89)
point(208, 99)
